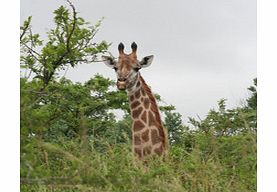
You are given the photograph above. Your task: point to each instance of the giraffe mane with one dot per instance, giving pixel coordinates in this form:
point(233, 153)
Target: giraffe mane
point(155, 110)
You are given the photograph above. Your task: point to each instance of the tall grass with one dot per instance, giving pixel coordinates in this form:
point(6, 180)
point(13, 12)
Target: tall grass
point(223, 167)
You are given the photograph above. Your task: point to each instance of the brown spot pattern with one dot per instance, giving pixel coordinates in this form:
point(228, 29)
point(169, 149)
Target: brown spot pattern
point(146, 103)
point(159, 150)
point(137, 94)
point(154, 136)
point(154, 108)
point(161, 131)
point(147, 150)
point(138, 126)
point(151, 119)
point(145, 136)
point(138, 152)
point(137, 140)
point(136, 113)
point(143, 117)
point(138, 84)
point(132, 98)
point(135, 104)
point(143, 92)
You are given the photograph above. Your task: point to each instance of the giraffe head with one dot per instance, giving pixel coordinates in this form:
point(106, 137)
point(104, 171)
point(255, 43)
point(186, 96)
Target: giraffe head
point(127, 66)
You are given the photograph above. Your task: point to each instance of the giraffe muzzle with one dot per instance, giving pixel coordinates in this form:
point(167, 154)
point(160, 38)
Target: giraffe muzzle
point(121, 83)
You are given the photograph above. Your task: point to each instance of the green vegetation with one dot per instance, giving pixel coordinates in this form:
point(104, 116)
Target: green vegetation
point(71, 139)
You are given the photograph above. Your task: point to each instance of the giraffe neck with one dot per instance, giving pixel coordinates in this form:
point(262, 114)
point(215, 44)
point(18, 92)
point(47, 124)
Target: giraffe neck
point(148, 134)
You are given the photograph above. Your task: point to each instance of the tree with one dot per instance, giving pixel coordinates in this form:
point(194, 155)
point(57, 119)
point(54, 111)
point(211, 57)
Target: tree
point(173, 123)
point(69, 43)
point(222, 122)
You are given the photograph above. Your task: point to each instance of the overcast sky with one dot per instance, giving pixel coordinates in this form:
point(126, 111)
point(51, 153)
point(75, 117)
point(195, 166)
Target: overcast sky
point(204, 49)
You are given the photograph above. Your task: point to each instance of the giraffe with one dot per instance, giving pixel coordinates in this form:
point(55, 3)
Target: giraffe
point(149, 137)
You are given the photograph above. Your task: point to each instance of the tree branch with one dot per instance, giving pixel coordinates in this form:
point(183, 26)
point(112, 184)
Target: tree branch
point(24, 30)
point(48, 75)
point(73, 25)
point(69, 36)
point(31, 51)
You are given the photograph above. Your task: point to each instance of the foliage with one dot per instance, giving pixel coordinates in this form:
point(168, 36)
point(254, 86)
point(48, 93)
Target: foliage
point(71, 139)
point(69, 43)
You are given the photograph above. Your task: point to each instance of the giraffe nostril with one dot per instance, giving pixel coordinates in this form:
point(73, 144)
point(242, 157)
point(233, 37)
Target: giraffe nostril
point(121, 79)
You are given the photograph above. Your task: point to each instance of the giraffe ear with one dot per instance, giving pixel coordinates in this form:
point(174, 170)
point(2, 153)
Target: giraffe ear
point(146, 61)
point(109, 61)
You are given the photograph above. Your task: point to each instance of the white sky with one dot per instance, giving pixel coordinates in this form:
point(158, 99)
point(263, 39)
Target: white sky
point(204, 50)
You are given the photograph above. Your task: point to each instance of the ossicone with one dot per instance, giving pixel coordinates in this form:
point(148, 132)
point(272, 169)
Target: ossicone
point(134, 47)
point(121, 48)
